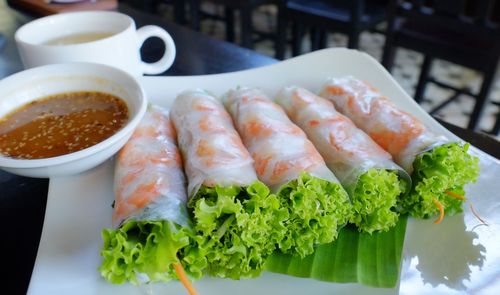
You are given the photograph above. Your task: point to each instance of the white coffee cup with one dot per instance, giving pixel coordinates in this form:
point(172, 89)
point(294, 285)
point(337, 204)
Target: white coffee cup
point(103, 37)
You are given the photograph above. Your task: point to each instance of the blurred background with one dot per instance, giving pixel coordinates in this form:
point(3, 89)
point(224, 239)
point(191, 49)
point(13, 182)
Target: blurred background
point(444, 53)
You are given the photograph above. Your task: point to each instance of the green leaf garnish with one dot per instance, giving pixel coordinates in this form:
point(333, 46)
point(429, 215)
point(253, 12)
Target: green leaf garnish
point(446, 168)
point(143, 251)
point(316, 210)
point(354, 257)
point(237, 227)
point(374, 200)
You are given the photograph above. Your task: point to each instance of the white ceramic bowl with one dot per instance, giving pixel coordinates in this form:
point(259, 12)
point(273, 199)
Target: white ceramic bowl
point(32, 84)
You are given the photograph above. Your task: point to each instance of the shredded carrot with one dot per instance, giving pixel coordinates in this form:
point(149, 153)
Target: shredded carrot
point(204, 149)
point(441, 211)
point(335, 90)
point(455, 195)
point(204, 108)
point(314, 123)
point(477, 215)
point(184, 279)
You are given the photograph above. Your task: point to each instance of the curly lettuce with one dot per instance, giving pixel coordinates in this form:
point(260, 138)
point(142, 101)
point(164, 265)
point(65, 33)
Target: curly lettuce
point(446, 168)
point(144, 251)
point(316, 210)
point(237, 227)
point(374, 200)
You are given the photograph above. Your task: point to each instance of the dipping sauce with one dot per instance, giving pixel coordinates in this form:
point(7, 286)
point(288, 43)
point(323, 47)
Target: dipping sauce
point(61, 124)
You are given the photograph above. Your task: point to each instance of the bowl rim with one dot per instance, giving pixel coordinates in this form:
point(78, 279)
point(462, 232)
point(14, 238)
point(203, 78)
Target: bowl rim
point(76, 67)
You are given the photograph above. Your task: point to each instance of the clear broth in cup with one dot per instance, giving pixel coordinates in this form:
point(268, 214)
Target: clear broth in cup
point(78, 38)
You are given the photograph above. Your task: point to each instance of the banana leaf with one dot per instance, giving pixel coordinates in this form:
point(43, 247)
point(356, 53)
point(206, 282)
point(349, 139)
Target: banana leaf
point(355, 257)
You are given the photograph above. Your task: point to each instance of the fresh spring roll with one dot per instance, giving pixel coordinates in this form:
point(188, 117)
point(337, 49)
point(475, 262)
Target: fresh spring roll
point(233, 212)
point(288, 162)
point(439, 168)
point(366, 171)
point(151, 226)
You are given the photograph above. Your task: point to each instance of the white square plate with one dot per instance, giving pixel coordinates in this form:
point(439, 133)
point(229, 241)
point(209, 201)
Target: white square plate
point(455, 256)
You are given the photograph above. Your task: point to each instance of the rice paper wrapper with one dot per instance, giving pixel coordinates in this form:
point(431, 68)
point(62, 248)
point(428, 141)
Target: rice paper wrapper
point(399, 133)
point(149, 180)
point(281, 150)
point(315, 204)
point(347, 150)
point(212, 149)
point(236, 219)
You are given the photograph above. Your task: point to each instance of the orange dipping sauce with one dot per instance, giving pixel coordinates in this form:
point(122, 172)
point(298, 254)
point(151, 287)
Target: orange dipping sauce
point(61, 124)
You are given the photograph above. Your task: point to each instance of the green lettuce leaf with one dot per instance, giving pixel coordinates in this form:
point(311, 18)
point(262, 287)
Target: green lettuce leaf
point(354, 257)
point(237, 227)
point(374, 200)
point(444, 168)
point(316, 210)
point(144, 251)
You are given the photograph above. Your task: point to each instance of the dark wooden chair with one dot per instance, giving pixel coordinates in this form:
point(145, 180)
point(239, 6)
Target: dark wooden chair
point(2, 41)
point(245, 8)
point(151, 6)
point(350, 17)
point(496, 127)
point(460, 31)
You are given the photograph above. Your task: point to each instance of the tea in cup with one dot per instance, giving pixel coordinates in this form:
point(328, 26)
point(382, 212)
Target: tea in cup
point(103, 37)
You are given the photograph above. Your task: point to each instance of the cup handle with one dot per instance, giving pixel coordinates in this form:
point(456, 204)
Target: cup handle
point(168, 57)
